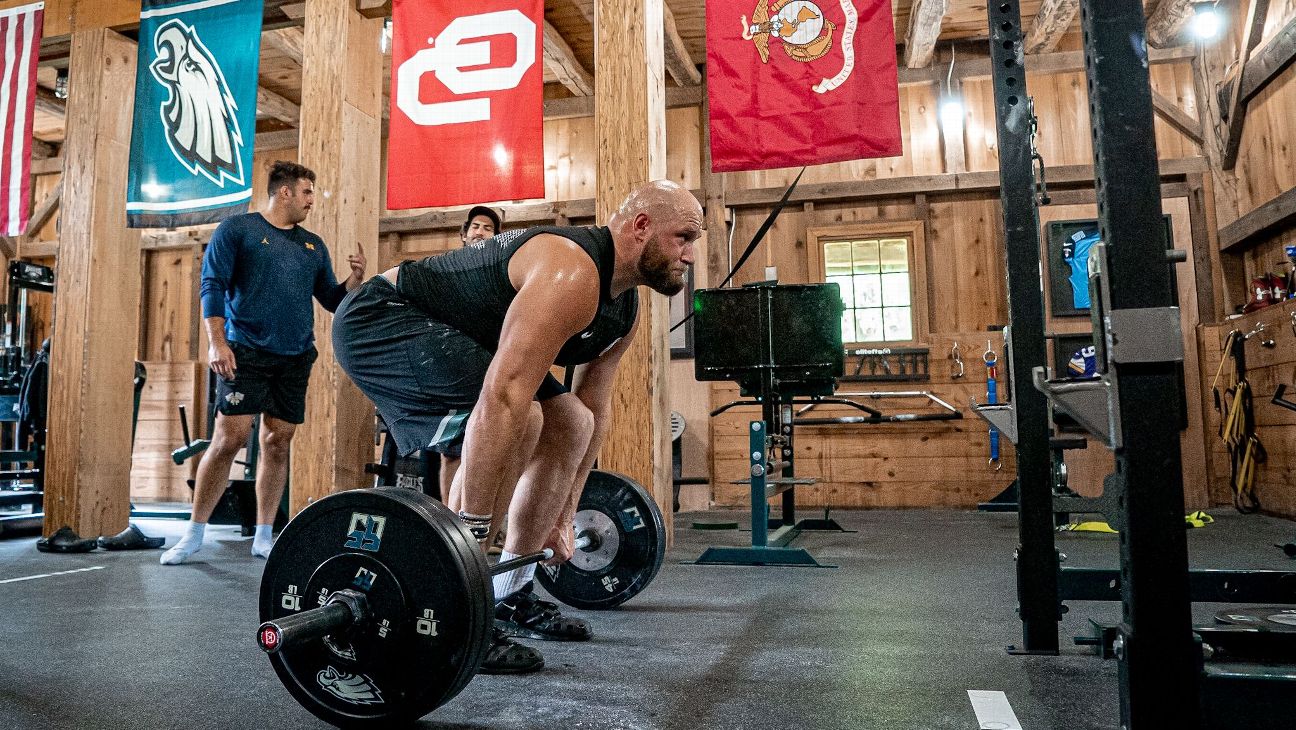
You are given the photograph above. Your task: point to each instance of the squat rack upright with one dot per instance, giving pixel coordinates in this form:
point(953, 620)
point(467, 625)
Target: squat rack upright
point(1139, 347)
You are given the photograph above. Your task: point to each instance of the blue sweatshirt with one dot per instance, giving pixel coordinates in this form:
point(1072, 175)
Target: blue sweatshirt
point(261, 279)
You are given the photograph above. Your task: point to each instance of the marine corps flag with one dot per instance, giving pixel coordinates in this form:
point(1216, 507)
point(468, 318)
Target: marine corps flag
point(800, 82)
point(195, 112)
point(467, 102)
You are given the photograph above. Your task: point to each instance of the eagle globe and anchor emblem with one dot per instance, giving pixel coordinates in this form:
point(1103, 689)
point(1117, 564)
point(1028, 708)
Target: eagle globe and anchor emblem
point(804, 33)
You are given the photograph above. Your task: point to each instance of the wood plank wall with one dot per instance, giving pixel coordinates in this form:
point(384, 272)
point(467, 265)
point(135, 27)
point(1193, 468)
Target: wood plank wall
point(1275, 426)
point(1266, 167)
point(904, 465)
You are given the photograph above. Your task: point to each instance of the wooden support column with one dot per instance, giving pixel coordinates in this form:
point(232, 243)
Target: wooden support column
point(342, 74)
point(1234, 112)
point(630, 130)
point(713, 207)
point(96, 298)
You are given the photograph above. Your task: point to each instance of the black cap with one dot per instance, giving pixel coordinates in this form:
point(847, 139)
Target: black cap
point(482, 210)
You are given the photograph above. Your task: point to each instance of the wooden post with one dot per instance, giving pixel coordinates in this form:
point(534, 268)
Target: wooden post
point(342, 71)
point(630, 128)
point(713, 206)
point(96, 298)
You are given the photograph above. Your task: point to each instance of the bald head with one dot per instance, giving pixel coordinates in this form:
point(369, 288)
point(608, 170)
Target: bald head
point(658, 199)
point(656, 226)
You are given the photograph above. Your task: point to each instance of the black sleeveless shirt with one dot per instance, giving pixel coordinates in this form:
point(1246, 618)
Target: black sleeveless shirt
point(469, 289)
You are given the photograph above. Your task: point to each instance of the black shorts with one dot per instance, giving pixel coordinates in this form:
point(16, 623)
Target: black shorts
point(423, 376)
point(265, 382)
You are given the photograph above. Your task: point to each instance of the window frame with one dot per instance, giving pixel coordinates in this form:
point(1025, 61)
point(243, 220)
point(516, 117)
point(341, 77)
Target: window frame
point(913, 230)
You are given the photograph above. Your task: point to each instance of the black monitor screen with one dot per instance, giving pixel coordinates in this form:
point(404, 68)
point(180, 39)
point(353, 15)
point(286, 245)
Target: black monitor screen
point(794, 329)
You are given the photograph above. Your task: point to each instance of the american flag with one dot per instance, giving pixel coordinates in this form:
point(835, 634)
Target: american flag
point(20, 31)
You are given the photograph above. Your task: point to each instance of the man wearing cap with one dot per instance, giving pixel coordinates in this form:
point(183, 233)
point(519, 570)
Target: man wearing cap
point(482, 223)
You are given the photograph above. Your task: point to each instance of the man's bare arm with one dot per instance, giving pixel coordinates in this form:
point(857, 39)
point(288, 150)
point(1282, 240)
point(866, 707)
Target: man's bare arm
point(558, 289)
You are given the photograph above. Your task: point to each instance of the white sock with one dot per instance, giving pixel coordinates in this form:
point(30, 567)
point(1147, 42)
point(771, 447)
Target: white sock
point(263, 540)
point(189, 543)
point(506, 584)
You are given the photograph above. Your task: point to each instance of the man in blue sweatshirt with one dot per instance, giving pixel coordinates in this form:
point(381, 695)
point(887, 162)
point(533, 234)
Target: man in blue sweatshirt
point(259, 275)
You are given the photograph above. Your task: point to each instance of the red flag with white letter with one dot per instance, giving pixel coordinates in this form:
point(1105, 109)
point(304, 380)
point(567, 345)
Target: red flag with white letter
point(801, 82)
point(467, 102)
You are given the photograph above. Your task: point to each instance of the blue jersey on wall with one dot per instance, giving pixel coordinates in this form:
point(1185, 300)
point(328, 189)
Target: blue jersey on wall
point(1075, 251)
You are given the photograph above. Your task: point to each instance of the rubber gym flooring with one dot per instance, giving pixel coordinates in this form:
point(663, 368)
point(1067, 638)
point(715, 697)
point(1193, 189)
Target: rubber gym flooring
point(917, 613)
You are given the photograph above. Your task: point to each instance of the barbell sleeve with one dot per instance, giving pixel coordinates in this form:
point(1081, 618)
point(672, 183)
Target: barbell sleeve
point(584, 541)
point(300, 628)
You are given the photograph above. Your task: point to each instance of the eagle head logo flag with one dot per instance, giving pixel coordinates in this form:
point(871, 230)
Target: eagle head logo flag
point(796, 82)
point(195, 112)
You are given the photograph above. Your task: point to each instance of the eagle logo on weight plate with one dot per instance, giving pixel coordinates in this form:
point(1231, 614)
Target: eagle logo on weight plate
point(199, 113)
point(354, 688)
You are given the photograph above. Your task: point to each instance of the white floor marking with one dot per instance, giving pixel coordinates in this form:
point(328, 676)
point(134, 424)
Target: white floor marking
point(993, 711)
point(50, 575)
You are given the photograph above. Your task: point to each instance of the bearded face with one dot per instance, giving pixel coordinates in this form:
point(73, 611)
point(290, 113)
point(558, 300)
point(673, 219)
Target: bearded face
point(662, 272)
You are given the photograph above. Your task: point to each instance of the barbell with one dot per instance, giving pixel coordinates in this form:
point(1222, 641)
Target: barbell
point(377, 606)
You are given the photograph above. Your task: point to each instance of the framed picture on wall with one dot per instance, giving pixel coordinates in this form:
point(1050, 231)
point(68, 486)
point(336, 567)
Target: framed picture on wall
point(681, 338)
point(1070, 244)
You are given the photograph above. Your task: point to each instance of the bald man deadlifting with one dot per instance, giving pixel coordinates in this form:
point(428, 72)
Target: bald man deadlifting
point(475, 331)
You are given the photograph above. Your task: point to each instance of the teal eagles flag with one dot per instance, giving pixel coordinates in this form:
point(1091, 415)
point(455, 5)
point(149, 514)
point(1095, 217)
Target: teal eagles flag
point(195, 112)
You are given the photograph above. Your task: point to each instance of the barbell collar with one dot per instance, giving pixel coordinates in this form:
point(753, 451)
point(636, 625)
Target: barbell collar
point(342, 611)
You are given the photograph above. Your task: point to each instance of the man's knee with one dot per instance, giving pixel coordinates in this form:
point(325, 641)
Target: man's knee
point(229, 435)
point(568, 421)
point(276, 437)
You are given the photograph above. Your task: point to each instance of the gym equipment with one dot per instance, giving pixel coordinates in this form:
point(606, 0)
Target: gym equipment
point(1138, 351)
point(778, 342)
point(377, 605)
point(630, 536)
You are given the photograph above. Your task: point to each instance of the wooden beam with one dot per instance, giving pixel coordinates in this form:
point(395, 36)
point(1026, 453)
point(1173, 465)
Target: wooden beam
point(342, 80)
point(374, 8)
point(947, 183)
point(162, 240)
point(1063, 62)
point(925, 17)
point(1051, 23)
point(534, 213)
point(1201, 248)
point(1275, 215)
point(44, 211)
point(714, 209)
point(48, 166)
point(9, 246)
point(273, 105)
point(47, 102)
point(1167, 22)
point(1265, 64)
point(280, 140)
point(678, 61)
point(563, 63)
point(87, 479)
point(1176, 117)
point(631, 144)
point(287, 41)
point(1233, 114)
point(40, 150)
point(543, 213)
point(583, 106)
point(37, 249)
